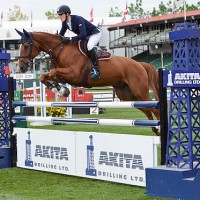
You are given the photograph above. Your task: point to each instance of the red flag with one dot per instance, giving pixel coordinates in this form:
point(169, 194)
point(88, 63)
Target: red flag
point(125, 13)
point(124, 18)
point(126, 10)
point(91, 15)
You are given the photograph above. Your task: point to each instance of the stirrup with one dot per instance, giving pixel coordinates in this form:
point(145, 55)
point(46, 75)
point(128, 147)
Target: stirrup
point(94, 74)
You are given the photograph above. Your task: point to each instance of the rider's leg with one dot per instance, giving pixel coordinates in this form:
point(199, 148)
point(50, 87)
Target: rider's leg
point(93, 40)
point(94, 59)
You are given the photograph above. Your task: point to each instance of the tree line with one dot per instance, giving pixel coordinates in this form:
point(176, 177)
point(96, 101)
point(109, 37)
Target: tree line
point(134, 10)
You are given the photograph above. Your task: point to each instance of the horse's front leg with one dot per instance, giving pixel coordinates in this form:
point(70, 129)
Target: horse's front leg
point(62, 90)
point(46, 80)
point(67, 75)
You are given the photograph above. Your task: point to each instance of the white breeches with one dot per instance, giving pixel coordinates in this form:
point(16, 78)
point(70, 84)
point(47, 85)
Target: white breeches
point(93, 40)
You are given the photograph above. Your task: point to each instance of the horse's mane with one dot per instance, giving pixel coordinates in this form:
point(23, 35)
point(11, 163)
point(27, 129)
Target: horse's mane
point(54, 36)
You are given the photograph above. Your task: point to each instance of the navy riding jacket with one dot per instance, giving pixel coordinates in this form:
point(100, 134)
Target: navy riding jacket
point(80, 26)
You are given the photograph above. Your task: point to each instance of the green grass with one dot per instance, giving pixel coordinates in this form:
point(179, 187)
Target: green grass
point(23, 184)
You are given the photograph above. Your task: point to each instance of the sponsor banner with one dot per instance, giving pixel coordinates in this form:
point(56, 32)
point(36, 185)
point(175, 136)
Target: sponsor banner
point(119, 158)
point(23, 76)
point(114, 157)
point(174, 78)
point(26, 76)
point(46, 150)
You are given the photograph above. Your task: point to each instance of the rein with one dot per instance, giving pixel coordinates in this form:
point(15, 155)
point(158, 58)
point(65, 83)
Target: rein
point(49, 52)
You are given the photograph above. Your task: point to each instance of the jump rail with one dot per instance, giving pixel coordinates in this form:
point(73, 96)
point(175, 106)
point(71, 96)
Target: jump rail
point(125, 104)
point(116, 122)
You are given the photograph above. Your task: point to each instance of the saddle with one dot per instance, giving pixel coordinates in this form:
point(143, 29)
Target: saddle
point(102, 52)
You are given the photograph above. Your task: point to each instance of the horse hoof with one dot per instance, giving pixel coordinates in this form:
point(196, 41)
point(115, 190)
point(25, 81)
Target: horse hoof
point(64, 92)
point(156, 130)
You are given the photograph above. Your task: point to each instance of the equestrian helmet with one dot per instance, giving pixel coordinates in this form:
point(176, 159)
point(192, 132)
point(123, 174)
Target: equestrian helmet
point(63, 9)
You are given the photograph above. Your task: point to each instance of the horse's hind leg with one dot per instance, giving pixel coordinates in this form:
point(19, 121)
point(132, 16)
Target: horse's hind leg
point(148, 113)
point(124, 93)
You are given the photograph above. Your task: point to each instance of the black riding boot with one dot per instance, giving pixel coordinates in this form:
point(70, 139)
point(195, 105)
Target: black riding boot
point(94, 59)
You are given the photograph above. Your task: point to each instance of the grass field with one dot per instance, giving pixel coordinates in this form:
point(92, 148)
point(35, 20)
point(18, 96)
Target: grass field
point(22, 184)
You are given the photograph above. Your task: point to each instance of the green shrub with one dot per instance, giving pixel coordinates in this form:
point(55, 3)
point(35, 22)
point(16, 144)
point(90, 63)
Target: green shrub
point(53, 111)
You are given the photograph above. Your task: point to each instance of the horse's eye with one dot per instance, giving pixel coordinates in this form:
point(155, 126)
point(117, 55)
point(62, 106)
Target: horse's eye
point(26, 46)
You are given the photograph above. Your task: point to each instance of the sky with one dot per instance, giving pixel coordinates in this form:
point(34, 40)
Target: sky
point(79, 7)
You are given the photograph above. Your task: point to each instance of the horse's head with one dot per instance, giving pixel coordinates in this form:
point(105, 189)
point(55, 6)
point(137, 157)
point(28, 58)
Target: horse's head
point(28, 50)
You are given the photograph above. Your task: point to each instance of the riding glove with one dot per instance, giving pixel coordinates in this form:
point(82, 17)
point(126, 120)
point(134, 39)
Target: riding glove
point(66, 39)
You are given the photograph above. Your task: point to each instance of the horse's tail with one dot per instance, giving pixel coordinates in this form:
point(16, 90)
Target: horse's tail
point(152, 78)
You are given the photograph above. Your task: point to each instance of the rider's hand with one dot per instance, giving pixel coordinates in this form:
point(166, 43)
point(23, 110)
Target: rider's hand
point(66, 39)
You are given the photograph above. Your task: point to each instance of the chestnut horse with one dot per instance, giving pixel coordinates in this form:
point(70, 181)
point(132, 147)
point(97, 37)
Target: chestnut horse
point(131, 80)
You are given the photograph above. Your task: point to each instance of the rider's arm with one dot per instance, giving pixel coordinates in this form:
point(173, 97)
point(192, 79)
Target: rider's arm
point(82, 31)
point(63, 29)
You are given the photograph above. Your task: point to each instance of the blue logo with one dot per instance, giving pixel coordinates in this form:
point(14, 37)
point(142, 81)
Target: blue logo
point(90, 170)
point(28, 161)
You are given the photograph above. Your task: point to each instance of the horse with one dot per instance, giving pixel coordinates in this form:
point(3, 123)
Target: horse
point(130, 79)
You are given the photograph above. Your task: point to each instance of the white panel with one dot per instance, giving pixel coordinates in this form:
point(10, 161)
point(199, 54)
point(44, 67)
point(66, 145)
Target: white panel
point(117, 157)
point(50, 150)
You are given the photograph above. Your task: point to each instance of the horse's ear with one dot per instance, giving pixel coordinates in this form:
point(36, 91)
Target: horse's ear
point(19, 32)
point(26, 33)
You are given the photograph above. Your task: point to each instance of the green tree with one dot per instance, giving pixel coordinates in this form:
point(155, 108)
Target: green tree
point(162, 8)
point(16, 14)
point(154, 12)
point(136, 11)
point(139, 9)
point(131, 11)
point(51, 15)
point(114, 12)
point(198, 4)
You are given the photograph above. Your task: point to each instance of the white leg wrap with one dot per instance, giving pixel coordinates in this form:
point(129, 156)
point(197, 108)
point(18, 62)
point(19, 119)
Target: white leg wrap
point(54, 90)
point(62, 91)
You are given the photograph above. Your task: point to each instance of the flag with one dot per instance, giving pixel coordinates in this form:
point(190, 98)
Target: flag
point(91, 15)
point(1, 18)
point(123, 18)
point(126, 9)
point(178, 3)
point(125, 13)
point(31, 18)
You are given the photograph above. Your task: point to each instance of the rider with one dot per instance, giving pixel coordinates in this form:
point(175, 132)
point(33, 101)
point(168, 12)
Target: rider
point(83, 29)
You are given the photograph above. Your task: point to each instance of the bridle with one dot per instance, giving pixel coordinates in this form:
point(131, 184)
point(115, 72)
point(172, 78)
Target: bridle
point(30, 63)
point(49, 52)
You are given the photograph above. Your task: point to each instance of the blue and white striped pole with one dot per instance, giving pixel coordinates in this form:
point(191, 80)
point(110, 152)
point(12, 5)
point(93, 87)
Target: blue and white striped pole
point(111, 122)
point(122, 104)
